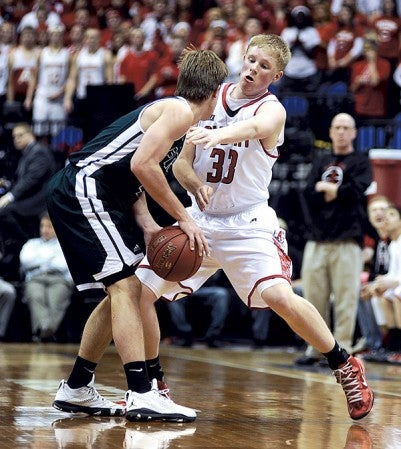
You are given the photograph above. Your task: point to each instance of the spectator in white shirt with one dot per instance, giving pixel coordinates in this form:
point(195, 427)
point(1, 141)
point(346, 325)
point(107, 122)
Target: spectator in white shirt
point(48, 285)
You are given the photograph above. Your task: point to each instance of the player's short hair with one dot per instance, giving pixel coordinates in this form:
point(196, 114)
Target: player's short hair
point(275, 45)
point(201, 73)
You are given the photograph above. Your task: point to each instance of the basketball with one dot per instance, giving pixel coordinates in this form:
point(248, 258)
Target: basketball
point(170, 257)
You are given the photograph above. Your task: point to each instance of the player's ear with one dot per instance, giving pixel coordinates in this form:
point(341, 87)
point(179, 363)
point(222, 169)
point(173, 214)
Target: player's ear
point(278, 75)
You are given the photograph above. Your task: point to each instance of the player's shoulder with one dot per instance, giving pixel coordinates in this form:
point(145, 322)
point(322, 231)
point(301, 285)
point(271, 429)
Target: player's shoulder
point(271, 104)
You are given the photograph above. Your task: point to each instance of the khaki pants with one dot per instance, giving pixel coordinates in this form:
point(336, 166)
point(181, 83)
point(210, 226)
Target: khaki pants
point(331, 271)
point(48, 296)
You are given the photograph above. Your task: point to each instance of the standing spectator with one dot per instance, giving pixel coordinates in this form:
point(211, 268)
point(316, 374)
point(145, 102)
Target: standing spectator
point(42, 15)
point(345, 47)
point(48, 86)
point(211, 295)
point(167, 71)
point(24, 202)
point(8, 295)
point(387, 26)
point(332, 260)
point(236, 52)
point(91, 66)
point(326, 27)
point(369, 83)
point(47, 281)
point(139, 67)
point(75, 39)
point(301, 74)
point(113, 23)
point(7, 40)
point(22, 62)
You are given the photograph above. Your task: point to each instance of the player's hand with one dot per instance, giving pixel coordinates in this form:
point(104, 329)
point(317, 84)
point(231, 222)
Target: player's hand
point(203, 136)
point(6, 199)
point(195, 234)
point(202, 196)
point(149, 232)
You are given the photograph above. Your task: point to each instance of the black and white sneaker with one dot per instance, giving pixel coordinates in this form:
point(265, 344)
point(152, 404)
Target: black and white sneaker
point(154, 405)
point(85, 400)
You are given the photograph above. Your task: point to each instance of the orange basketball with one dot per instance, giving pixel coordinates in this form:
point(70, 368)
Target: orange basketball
point(170, 257)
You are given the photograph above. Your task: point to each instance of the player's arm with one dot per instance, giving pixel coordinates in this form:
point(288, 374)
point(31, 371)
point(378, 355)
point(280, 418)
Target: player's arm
point(71, 85)
point(145, 164)
point(33, 81)
point(265, 125)
point(143, 218)
point(10, 81)
point(186, 176)
point(108, 67)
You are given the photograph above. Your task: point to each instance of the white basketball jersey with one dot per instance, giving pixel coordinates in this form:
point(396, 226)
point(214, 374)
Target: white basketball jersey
point(4, 51)
point(91, 68)
point(53, 70)
point(239, 173)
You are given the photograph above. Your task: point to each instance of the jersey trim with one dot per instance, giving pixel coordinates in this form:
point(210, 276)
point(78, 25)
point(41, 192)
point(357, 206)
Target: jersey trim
point(230, 112)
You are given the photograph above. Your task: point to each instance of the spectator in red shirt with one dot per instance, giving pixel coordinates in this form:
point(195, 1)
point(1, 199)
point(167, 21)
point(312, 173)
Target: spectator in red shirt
point(345, 47)
point(167, 71)
point(387, 27)
point(369, 82)
point(139, 67)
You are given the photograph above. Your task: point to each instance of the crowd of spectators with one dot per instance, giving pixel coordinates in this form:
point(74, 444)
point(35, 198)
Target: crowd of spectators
point(52, 51)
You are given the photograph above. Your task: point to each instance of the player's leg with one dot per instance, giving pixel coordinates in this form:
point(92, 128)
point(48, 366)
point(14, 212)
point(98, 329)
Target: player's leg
point(78, 393)
point(305, 320)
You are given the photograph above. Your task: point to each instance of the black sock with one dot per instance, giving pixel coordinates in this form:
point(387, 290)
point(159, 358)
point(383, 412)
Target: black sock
point(82, 373)
point(137, 377)
point(336, 357)
point(154, 369)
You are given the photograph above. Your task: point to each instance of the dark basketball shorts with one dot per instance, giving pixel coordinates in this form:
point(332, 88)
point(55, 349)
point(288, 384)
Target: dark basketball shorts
point(96, 230)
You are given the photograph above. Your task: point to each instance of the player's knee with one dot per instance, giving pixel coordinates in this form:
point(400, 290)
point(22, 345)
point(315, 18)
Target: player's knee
point(279, 297)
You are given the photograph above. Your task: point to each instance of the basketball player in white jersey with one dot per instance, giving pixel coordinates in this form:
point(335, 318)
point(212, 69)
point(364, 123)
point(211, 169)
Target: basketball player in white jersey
point(7, 36)
point(48, 84)
point(92, 65)
point(22, 62)
point(226, 166)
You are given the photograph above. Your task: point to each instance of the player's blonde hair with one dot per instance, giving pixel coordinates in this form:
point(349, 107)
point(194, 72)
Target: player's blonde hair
point(201, 73)
point(275, 45)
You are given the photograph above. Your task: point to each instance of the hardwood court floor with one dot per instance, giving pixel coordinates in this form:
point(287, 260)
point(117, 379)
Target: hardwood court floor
point(246, 399)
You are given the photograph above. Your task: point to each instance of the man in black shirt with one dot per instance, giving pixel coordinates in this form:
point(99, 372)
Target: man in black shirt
point(332, 262)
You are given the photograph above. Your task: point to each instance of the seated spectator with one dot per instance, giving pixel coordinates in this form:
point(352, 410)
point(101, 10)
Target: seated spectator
point(47, 282)
point(376, 258)
point(212, 295)
point(8, 296)
point(388, 286)
point(24, 202)
point(369, 83)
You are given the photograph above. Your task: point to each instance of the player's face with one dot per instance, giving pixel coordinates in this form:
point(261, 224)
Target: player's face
point(258, 71)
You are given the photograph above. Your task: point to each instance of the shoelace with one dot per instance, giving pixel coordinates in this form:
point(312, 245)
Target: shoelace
point(350, 383)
